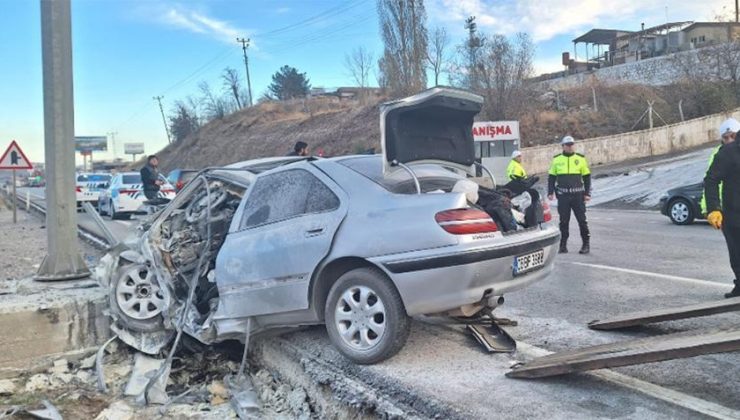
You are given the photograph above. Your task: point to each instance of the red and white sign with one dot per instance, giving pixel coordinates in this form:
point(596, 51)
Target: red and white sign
point(14, 158)
point(496, 130)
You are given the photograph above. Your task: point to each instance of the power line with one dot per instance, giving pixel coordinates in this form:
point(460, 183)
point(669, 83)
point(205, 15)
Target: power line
point(333, 11)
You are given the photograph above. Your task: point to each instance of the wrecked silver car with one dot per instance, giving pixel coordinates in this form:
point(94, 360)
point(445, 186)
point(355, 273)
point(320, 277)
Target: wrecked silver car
point(359, 243)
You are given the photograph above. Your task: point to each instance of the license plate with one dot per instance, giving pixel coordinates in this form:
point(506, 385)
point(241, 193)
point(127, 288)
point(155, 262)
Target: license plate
point(529, 262)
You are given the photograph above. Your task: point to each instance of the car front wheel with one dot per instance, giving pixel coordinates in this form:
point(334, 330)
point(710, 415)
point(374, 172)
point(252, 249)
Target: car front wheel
point(365, 316)
point(680, 212)
point(136, 299)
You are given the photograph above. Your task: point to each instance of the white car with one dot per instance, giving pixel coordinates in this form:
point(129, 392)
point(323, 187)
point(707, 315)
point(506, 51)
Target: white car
point(89, 185)
point(126, 195)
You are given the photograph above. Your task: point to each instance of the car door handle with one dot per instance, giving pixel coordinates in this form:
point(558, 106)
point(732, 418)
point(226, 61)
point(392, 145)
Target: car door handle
point(314, 232)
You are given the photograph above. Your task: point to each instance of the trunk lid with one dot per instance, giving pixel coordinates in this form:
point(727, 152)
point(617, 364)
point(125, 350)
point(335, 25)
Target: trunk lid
point(434, 126)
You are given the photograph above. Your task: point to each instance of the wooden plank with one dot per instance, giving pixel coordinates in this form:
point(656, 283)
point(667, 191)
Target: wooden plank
point(669, 314)
point(633, 352)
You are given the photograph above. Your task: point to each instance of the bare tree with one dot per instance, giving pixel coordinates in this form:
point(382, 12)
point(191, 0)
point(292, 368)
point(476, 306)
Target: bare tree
point(403, 29)
point(231, 83)
point(359, 64)
point(437, 55)
point(503, 68)
point(215, 106)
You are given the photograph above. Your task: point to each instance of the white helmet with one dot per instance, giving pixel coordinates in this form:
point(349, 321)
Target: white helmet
point(515, 154)
point(730, 125)
point(567, 140)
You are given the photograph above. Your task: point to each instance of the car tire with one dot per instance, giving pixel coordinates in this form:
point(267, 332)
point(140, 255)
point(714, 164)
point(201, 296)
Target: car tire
point(381, 328)
point(680, 212)
point(100, 209)
point(127, 294)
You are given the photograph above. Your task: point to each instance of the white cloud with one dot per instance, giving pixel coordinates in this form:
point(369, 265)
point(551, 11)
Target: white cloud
point(200, 23)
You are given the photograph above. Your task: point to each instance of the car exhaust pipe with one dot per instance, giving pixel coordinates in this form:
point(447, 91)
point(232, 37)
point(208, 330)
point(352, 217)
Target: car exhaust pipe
point(495, 301)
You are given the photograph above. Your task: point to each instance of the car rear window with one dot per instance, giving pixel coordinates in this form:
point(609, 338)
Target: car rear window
point(431, 177)
point(93, 178)
point(132, 179)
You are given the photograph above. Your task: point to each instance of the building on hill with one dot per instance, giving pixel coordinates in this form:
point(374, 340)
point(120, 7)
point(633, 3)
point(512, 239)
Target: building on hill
point(612, 47)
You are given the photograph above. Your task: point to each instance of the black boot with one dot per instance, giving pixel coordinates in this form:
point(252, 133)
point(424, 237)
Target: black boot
point(735, 291)
point(563, 248)
point(585, 249)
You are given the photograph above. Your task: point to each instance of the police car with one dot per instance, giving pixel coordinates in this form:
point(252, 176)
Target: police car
point(125, 195)
point(88, 187)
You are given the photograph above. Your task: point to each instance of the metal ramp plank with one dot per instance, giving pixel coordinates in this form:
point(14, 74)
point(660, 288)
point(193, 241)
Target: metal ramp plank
point(633, 352)
point(668, 314)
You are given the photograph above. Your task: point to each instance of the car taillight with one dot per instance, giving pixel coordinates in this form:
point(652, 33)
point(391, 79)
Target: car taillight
point(178, 185)
point(465, 221)
point(546, 211)
point(78, 189)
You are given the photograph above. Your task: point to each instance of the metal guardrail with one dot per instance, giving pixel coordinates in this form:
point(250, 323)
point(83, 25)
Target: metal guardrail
point(92, 238)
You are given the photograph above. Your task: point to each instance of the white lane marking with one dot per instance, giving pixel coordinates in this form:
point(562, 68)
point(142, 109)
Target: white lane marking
point(656, 275)
point(677, 398)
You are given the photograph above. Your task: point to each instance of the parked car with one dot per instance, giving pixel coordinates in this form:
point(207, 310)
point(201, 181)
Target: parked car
point(180, 177)
point(682, 204)
point(125, 195)
point(358, 243)
point(89, 185)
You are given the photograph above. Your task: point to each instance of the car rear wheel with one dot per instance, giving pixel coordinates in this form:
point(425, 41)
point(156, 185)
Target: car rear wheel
point(136, 299)
point(365, 316)
point(680, 212)
point(100, 208)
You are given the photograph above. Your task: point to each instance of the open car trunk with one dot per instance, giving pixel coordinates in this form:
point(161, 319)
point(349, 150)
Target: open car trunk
point(435, 126)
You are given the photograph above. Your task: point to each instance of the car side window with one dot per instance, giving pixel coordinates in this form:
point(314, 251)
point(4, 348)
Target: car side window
point(285, 195)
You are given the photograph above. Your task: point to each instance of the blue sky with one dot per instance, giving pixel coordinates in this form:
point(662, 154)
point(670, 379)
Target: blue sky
point(126, 52)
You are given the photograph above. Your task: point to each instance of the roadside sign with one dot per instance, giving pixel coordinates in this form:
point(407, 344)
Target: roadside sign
point(91, 143)
point(14, 158)
point(496, 130)
point(133, 148)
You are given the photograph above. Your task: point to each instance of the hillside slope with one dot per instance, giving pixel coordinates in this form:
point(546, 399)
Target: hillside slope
point(271, 129)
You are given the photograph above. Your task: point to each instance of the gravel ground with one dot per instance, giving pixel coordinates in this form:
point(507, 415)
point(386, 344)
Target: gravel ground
point(24, 244)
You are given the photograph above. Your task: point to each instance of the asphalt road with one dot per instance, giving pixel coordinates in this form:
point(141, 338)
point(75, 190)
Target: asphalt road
point(120, 228)
point(639, 261)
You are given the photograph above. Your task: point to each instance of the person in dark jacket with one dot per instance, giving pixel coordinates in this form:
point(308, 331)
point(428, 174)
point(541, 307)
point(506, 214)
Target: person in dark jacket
point(300, 149)
point(725, 213)
point(150, 177)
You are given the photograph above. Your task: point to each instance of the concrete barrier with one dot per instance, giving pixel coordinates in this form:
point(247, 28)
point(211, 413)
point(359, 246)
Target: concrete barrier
point(637, 144)
point(43, 322)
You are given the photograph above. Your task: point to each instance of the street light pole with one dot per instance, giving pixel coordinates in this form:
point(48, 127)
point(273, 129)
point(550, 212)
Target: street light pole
point(245, 45)
point(63, 260)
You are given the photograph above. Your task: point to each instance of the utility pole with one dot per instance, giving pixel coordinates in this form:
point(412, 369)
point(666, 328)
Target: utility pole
point(62, 260)
point(164, 120)
point(245, 45)
point(113, 135)
point(737, 11)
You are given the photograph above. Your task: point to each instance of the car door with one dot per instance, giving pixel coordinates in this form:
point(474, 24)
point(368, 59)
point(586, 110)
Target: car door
point(280, 233)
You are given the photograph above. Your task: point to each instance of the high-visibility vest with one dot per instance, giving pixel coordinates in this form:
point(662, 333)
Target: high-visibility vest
point(569, 171)
point(515, 170)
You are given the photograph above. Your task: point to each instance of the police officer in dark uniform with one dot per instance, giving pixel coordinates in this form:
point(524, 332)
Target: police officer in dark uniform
point(724, 207)
point(570, 180)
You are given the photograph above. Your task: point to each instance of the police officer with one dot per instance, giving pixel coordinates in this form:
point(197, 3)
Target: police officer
point(515, 170)
point(727, 131)
point(570, 179)
point(724, 210)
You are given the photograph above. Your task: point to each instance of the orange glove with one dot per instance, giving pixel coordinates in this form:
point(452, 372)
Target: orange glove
point(715, 219)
